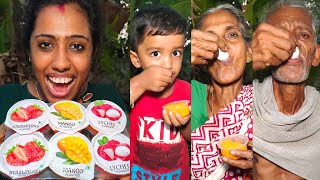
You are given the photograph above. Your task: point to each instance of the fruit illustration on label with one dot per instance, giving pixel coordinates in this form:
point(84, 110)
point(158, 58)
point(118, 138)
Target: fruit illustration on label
point(67, 111)
point(22, 114)
point(106, 111)
point(20, 155)
point(112, 150)
point(74, 150)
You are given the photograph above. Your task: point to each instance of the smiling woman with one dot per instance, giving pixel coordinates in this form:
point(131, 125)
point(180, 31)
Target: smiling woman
point(62, 39)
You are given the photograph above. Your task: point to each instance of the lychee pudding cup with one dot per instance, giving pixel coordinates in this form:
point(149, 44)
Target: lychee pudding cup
point(112, 153)
point(73, 156)
point(68, 117)
point(180, 107)
point(233, 142)
point(106, 117)
point(27, 116)
point(25, 155)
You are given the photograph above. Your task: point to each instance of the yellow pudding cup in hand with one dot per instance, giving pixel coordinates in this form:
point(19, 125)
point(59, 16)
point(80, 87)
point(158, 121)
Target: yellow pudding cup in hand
point(233, 142)
point(180, 107)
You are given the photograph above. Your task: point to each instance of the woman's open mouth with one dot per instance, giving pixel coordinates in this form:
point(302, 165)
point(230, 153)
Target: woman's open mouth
point(59, 86)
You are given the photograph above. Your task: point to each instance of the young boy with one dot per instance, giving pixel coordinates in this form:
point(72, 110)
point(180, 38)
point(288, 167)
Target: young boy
point(158, 146)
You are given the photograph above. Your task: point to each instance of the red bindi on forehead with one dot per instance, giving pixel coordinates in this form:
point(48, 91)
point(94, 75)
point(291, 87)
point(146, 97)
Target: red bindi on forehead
point(61, 8)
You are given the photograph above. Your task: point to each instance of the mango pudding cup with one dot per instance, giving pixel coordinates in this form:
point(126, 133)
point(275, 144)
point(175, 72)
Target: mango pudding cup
point(180, 107)
point(233, 142)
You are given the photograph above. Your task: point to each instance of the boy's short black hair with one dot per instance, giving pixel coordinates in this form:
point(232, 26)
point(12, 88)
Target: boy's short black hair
point(155, 20)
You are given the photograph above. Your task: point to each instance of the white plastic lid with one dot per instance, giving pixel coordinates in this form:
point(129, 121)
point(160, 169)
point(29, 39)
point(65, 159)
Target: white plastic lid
point(27, 116)
point(106, 117)
point(25, 155)
point(112, 153)
point(68, 117)
point(63, 163)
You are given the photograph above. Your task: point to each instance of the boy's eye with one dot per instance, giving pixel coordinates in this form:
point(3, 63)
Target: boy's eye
point(45, 45)
point(176, 53)
point(155, 54)
point(77, 47)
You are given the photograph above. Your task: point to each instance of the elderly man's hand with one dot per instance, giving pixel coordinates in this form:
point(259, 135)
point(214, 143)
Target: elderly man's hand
point(271, 46)
point(245, 161)
point(203, 46)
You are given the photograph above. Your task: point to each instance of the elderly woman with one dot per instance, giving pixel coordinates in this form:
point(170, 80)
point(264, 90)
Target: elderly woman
point(62, 38)
point(224, 106)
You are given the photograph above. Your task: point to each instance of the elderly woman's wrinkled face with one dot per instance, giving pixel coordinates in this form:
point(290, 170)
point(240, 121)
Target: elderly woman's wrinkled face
point(226, 27)
point(299, 24)
point(61, 51)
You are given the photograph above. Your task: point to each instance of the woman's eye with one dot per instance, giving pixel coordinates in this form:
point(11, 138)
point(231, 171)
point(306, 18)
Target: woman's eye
point(155, 54)
point(45, 45)
point(176, 53)
point(77, 47)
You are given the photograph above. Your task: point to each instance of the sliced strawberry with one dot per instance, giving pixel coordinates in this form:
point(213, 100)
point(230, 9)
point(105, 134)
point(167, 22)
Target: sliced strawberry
point(34, 150)
point(15, 117)
point(20, 115)
point(17, 156)
point(34, 111)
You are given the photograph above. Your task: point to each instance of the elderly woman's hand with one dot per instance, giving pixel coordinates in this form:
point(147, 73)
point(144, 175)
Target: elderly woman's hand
point(271, 46)
point(245, 161)
point(203, 46)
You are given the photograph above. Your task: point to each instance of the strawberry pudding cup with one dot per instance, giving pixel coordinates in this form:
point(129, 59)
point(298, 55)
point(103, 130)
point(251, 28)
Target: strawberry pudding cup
point(68, 117)
point(112, 153)
point(73, 156)
point(106, 117)
point(25, 155)
point(27, 116)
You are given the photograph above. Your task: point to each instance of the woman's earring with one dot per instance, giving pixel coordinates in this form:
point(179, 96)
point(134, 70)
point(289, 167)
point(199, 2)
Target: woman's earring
point(29, 59)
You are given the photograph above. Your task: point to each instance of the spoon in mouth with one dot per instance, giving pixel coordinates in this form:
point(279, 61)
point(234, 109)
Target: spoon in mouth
point(222, 56)
point(295, 54)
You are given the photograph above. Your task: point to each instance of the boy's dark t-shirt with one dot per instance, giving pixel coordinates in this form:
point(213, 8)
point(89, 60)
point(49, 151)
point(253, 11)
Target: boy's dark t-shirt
point(158, 150)
point(12, 93)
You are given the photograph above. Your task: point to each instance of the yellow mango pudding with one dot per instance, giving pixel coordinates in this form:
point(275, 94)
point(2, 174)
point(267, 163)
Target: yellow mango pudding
point(232, 142)
point(180, 107)
point(68, 117)
point(73, 156)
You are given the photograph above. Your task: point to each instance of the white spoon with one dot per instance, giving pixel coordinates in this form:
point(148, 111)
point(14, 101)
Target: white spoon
point(222, 56)
point(295, 54)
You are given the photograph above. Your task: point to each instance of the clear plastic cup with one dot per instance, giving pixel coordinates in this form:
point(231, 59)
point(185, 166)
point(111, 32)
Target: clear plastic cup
point(233, 142)
point(180, 107)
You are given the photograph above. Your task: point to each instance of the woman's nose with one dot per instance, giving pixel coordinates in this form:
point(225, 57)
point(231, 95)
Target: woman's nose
point(61, 61)
point(223, 45)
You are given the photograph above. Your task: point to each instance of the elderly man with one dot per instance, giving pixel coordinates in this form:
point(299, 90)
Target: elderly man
point(286, 111)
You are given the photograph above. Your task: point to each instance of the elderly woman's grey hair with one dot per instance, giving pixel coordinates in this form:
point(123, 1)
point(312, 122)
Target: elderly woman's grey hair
point(295, 4)
point(237, 13)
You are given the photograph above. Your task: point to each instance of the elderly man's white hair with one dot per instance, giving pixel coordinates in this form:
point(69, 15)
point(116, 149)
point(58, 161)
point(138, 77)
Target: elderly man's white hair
point(292, 3)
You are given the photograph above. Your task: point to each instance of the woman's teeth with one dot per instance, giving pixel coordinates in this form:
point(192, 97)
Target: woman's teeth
point(61, 80)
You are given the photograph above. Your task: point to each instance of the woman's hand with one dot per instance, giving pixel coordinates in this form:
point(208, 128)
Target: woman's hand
point(246, 158)
point(271, 46)
point(204, 45)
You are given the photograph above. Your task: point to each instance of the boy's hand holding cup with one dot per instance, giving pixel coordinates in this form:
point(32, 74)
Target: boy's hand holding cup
point(176, 113)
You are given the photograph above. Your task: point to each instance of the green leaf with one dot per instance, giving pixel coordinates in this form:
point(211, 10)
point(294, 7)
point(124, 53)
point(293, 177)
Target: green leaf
point(61, 155)
point(12, 149)
point(56, 114)
point(38, 106)
point(70, 162)
point(98, 102)
point(100, 142)
point(104, 139)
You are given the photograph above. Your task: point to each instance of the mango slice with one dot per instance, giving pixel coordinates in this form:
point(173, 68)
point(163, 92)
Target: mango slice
point(69, 110)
